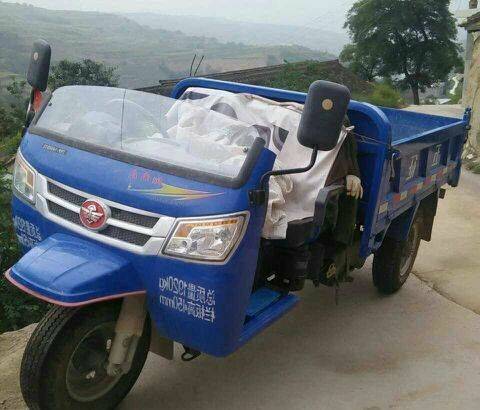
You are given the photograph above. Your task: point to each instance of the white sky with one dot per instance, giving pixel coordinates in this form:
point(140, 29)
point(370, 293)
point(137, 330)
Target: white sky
point(327, 14)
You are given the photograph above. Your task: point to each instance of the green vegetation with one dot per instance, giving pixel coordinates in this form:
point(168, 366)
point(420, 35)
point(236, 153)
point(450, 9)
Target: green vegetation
point(299, 76)
point(473, 166)
point(411, 41)
point(383, 95)
point(457, 95)
point(366, 65)
point(86, 72)
point(16, 308)
point(142, 54)
point(12, 116)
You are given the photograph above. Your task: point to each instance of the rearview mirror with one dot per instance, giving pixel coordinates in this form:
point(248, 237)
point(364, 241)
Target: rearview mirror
point(323, 115)
point(37, 74)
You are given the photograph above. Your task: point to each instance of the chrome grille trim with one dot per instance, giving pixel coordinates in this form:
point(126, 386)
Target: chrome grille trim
point(112, 231)
point(61, 204)
point(134, 218)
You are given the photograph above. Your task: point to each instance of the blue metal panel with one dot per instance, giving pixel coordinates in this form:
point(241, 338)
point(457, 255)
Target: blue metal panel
point(409, 126)
point(124, 183)
point(267, 317)
point(227, 285)
point(260, 300)
point(70, 270)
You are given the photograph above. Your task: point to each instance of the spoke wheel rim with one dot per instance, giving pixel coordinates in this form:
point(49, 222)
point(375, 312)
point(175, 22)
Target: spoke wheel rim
point(86, 377)
point(408, 251)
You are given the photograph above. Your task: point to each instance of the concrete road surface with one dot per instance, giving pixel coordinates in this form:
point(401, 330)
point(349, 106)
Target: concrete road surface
point(413, 350)
point(451, 264)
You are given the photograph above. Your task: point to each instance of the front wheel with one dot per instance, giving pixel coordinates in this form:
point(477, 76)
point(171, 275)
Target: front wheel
point(64, 364)
point(394, 261)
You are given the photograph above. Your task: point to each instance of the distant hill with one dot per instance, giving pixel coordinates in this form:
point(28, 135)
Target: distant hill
point(260, 34)
point(143, 54)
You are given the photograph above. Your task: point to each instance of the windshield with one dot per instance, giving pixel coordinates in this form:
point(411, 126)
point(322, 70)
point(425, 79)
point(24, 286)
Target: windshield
point(152, 126)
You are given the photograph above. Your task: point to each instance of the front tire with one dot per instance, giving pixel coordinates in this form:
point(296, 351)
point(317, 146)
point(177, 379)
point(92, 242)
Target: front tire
point(63, 366)
point(394, 261)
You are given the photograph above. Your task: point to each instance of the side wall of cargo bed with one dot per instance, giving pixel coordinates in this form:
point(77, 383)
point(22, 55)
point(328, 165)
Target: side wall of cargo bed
point(426, 155)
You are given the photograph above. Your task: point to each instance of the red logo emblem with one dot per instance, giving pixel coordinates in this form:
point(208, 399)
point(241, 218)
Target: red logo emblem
point(94, 214)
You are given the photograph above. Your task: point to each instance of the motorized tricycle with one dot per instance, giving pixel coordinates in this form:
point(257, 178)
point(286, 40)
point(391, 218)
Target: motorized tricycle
point(140, 239)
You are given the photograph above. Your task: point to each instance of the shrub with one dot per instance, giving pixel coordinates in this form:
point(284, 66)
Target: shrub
point(17, 309)
point(383, 95)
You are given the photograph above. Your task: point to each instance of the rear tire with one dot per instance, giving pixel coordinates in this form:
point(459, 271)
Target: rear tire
point(394, 261)
point(81, 336)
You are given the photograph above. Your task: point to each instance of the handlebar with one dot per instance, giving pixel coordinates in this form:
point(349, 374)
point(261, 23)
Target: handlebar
point(323, 198)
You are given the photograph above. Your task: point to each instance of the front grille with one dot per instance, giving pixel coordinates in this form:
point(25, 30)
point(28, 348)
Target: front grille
point(144, 221)
point(135, 238)
point(66, 195)
point(132, 218)
point(64, 213)
point(125, 235)
point(121, 234)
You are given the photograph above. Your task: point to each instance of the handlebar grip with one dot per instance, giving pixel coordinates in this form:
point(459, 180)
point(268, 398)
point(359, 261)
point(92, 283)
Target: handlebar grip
point(323, 198)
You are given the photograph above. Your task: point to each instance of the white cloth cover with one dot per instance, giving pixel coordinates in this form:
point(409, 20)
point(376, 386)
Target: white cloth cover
point(290, 197)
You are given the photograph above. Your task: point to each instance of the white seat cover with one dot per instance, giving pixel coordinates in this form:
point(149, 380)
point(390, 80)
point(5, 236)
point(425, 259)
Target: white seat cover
point(290, 197)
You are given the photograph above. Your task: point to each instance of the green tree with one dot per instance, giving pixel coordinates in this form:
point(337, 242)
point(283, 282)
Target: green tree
point(365, 65)
point(85, 72)
point(411, 41)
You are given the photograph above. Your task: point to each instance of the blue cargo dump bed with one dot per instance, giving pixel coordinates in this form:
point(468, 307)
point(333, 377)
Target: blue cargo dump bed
point(425, 155)
point(404, 157)
point(408, 126)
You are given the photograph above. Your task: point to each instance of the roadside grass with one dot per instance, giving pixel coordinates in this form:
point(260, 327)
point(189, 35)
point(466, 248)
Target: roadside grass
point(474, 167)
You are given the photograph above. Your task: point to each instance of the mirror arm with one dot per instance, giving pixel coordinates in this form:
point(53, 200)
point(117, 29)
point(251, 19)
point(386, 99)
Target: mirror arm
point(30, 112)
point(258, 196)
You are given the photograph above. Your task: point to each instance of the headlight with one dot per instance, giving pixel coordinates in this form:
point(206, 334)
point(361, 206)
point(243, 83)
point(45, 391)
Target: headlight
point(24, 178)
point(210, 239)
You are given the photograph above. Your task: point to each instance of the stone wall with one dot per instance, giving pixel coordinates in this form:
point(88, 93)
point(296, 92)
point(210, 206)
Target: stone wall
point(472, 97)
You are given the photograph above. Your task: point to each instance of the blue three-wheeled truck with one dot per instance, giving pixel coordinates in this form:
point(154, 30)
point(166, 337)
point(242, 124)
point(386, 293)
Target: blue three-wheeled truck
point(140, 240)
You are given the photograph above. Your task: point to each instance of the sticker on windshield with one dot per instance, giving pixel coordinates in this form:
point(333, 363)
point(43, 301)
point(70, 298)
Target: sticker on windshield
point(187, 298)
point(161, 189)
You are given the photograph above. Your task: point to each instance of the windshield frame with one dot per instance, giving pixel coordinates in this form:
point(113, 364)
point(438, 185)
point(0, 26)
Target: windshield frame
point(149, 163)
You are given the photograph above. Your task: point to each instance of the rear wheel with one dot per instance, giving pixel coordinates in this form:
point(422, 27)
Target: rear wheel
point(64, 364)
point(394, 261)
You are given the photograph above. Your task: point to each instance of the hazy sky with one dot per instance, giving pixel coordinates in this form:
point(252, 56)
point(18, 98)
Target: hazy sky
point(328, 14)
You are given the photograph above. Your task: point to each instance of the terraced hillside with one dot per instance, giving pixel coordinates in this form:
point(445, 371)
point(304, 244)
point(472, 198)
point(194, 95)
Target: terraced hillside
point(143, 54)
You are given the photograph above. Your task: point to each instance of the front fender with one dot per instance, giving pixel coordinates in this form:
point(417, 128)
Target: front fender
point(69, 271)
